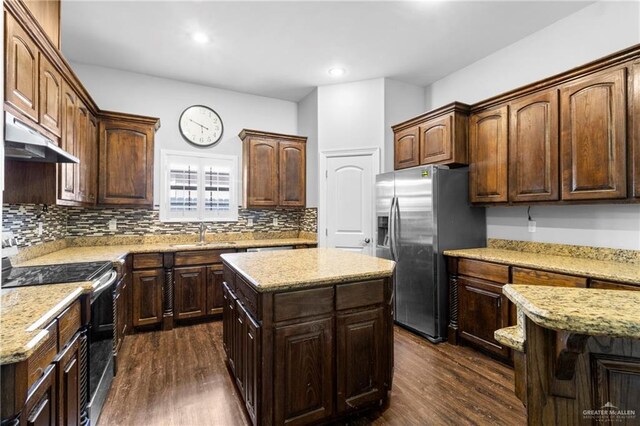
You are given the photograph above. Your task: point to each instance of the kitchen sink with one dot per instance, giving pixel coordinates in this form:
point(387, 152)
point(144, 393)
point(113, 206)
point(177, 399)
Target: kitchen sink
point(220, 243)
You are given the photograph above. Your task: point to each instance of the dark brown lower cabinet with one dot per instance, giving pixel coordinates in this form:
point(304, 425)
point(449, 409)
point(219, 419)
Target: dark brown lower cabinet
point(121, 310)
point(215, 300)
point(482, 311)
point(310, 355)
point(359, 363)
point(190, 290)
point(147, 297)
point(68, 368)
point(303, 376)
point(40, 407)
point(239, 343)
point(252, 367)
point(228, 327)
point(477, 307)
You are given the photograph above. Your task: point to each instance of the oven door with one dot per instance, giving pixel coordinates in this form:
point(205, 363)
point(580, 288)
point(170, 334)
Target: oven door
point(101, 346)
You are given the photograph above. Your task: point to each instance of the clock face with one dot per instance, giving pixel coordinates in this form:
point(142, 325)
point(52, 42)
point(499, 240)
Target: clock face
point(200, 125)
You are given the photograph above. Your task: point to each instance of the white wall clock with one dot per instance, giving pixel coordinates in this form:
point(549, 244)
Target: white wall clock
point(200, 125)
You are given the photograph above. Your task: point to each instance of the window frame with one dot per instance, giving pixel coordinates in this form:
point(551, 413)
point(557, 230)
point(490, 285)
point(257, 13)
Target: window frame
point(200, 158)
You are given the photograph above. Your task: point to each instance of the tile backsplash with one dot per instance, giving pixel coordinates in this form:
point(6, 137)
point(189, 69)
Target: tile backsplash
point(24, 221)
point(62, 222)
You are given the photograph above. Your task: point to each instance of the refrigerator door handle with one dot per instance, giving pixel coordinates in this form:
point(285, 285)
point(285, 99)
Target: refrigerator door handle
point(392, 229)
point(396, 229)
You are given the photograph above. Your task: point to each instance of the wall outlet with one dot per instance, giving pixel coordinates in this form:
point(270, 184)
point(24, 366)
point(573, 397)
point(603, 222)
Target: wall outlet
point(39, 229)
point(250, 221)
point(113, 225)
point(532, 226)
point(275, 221)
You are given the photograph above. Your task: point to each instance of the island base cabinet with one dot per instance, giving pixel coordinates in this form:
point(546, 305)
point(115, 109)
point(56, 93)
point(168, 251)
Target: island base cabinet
point(359, 362)
point(252, 367)
point(311, 355)
point(303, 372)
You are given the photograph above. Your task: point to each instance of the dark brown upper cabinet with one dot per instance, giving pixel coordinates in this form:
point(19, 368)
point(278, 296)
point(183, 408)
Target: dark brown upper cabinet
point(292, 178)
point(406, 151)
point(533, 148)
point(42, 91)
point(67, 180)
point(634, 114)
point(273, 169)
point(21, 80)
point(488, 132)
point(437, 137)
point(50, 94)
point(593, 136)
point(126, 159)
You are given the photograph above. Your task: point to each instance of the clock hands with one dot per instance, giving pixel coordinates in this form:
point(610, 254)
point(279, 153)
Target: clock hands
point(203, 127)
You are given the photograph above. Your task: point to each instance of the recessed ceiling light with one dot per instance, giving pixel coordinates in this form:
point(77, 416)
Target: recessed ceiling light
point(337, 72)
point(201, 38)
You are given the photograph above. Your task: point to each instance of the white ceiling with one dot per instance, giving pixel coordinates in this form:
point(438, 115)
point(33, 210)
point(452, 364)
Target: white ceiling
point(284, 49)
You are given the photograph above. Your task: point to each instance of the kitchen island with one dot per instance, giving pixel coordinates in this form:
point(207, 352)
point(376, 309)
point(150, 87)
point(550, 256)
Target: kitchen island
point(578, 354)
point(308, 333)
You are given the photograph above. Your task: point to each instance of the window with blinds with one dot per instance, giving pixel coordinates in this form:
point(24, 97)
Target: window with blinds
point(198, 187)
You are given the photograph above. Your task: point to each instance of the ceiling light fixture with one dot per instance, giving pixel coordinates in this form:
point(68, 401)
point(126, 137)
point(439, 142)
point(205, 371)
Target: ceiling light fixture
point(337, 72)
point(201, 38)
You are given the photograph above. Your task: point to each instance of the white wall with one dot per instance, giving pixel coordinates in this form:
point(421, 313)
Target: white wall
point(129, 92)
point(308, 126)
point(401, 102)
point(595, 31)
point(351, 115)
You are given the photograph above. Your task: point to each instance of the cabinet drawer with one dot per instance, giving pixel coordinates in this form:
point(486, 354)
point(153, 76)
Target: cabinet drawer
point(355, 295)
point(484, 270)
point(613, 286)
point(43, 356)
point(248, 297)
point(147, 260)
point(68, 323)
point(199, 257)
point(531, 276)
point(303, 303)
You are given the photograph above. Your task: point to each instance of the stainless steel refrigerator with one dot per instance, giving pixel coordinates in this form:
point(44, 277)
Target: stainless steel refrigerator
point(420, 213)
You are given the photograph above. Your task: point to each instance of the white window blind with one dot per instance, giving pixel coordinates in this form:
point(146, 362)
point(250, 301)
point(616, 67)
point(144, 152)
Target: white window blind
point(198, 187)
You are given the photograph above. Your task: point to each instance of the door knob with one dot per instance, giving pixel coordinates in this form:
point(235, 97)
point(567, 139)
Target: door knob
point(367, 240)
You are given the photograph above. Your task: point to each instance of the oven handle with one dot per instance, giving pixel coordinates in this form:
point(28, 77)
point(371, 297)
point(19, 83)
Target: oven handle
point(113, 275)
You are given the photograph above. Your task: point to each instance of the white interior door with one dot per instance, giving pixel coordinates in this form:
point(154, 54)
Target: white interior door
point(349, 192)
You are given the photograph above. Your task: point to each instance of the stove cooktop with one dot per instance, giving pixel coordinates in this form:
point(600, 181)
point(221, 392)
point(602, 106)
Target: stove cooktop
point(54, 274)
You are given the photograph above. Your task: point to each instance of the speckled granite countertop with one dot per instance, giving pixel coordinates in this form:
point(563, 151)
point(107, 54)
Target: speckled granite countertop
point(591, 311)
point(606, 270)
point(278, 270)
point(115, 253)
point(512, 337)
point(26, 311)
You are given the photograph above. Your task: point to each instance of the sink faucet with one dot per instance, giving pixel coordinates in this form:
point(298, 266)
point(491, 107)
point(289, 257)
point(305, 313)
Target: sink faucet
point(203, 231)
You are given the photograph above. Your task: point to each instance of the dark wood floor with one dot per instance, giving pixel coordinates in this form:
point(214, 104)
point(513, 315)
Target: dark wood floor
point(179, 377)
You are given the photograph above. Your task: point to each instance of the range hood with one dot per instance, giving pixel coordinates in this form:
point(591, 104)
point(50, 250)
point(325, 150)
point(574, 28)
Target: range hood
point(21, 142)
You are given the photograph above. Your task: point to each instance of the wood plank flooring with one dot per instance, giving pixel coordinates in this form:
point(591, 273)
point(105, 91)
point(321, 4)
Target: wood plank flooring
point(179, 377)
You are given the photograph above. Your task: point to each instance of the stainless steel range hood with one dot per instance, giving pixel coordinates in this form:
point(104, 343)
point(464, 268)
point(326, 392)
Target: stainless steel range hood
point(21, 142)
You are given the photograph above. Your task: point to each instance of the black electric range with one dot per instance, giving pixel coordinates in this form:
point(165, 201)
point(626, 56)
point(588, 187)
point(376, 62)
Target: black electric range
point(54, 274)
point(100, 331)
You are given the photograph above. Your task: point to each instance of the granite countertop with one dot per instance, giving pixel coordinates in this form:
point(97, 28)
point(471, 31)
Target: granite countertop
point(591, 311)
point(116, 253)
point(512, 337)
point(277, 270)
point(600, 269)
point(26, 311)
